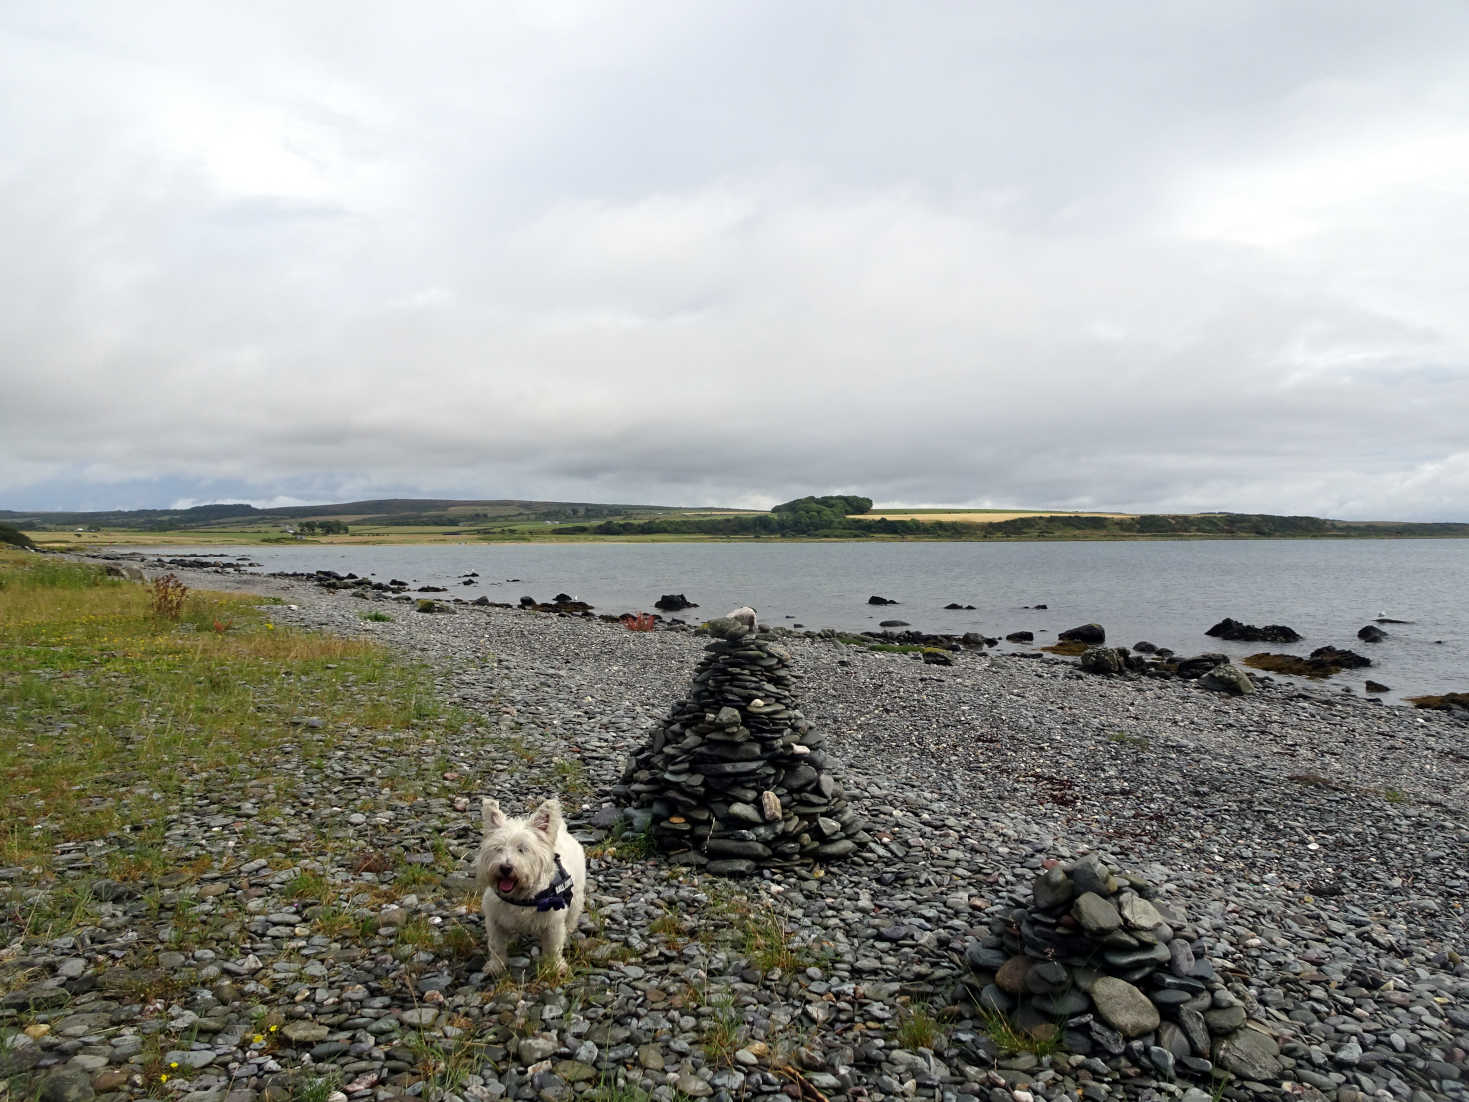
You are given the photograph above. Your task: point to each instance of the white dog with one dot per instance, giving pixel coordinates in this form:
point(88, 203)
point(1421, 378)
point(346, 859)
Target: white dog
point(534, 877)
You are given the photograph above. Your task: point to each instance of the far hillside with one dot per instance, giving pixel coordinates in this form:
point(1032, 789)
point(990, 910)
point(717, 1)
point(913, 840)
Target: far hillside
point(835, 516)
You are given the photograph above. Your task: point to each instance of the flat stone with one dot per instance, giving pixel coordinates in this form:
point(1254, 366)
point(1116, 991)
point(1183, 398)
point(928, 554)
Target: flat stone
point(1096, 915)
point(1250, 1054)
point(303, 1032)
point(1124, 1007)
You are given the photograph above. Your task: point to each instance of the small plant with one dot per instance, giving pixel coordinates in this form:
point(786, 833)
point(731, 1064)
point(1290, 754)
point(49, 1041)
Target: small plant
point(627, 845)
point(377, 617)
point(722, 1033)
point(1122, 738)
point(639, 621)
point(319, 1088)
point(222, 626)
point(1393, 795)
point(1042, 1042)
point(572, 776)
point(166, 596)
point(917, 1027)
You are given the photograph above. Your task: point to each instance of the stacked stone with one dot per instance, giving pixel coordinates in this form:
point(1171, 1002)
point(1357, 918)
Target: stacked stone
point(735, 778)
point(1118, 975)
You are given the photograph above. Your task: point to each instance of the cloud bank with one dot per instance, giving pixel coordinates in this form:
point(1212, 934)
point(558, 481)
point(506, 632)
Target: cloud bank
point(1200, 257)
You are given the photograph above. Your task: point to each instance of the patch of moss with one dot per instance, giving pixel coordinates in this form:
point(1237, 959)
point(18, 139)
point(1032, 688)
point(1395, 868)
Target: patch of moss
point(1442, 703)
point(1070, 648)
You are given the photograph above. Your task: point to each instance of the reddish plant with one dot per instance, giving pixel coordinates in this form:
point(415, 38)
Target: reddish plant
point(640, 621)
point(167, 595)
point(223, 626)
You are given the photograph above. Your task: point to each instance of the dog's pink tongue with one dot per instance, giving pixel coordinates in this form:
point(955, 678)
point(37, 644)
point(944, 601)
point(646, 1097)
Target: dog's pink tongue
point(507, 885)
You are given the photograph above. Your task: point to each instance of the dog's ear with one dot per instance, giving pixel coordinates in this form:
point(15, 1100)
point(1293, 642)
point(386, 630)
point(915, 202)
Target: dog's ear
point(547, 818)
point(492, 815)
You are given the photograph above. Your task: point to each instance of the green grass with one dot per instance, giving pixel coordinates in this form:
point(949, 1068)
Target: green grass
point(111, 711)
point(1008, 1039)
point(377, 617)
point(722, 1030)
point(917, 1026)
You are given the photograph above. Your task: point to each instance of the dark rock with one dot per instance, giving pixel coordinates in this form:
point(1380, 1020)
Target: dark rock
point(67, 1085)
point(1144, 647)
point(893, 624)
point(1091, 634)
point(876, 600)
point(1191, 669)
point(1371, 634)
point(1341, 659)
point(1021, 637)
point(673, 602)
point(1377, 687)
point(1235, 631)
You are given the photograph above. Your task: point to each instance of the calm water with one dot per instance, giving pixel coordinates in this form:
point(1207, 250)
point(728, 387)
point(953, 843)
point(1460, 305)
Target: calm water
point(1166, 592)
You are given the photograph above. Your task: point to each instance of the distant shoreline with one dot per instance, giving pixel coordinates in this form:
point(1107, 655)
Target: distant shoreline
point(111, 542)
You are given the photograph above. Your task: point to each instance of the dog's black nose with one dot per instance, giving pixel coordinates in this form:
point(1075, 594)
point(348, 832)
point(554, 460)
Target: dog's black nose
point(506, 870)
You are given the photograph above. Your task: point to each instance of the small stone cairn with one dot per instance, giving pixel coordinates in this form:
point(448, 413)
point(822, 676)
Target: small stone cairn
point(1117, 975)
point(735, 778)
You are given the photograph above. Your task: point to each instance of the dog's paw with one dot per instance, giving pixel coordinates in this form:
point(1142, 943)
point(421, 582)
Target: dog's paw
point(494, 966)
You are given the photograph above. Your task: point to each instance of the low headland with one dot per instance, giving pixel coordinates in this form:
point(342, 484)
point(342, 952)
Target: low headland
point(832, 517)
point(241, 812)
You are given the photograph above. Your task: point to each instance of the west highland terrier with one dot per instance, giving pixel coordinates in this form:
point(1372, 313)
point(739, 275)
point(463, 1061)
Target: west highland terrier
point(534, 877)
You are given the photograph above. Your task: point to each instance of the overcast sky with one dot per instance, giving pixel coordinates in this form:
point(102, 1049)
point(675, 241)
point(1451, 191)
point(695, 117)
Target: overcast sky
point(1138, 256)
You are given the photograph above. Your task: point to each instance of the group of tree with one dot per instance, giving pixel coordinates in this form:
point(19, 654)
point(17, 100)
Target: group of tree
point(322, 528)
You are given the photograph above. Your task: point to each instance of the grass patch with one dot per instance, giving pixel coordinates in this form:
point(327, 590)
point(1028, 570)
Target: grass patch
point(112, 711)
point(626, 845)
point(917, 1026)
point(758, 929)
point(1042, 1042)
point(376, 617)
point(722, 1030)
point(1122, 738)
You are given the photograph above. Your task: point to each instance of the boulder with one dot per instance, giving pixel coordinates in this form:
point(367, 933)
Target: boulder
point(1105, 660)
point(1376, 687)
point(673, 602)
point(1090, 634)
point(1228, 678)
point(1195, 667)
point(1235, 631)
point(1341, 659)
point(876, 600)
point(1021, 637)
point(1371, 633)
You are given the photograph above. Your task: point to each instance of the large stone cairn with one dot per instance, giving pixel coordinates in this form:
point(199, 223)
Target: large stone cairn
point(735, 778)
point(1120, 976)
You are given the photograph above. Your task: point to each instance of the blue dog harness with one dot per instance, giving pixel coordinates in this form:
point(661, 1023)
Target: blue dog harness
point(557, 897)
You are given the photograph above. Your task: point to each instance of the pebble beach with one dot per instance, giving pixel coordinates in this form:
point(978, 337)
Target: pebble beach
point(1316, 847)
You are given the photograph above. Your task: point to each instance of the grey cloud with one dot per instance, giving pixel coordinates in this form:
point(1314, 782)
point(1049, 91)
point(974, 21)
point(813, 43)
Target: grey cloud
point(1200, 256)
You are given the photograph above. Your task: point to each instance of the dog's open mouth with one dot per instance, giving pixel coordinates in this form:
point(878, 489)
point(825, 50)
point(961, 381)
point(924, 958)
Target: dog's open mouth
point(506, 885)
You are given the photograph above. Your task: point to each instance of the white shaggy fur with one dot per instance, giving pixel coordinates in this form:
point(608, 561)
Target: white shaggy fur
point(516, 861)
point(745, 615)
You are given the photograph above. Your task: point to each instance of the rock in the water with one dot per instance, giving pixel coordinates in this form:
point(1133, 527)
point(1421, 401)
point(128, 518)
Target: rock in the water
point(1235, 631)
point(1091, 634)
